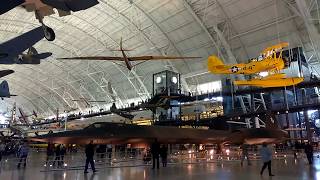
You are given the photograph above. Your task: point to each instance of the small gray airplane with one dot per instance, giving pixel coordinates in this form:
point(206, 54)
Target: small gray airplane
point(11, 52)
point(45, 8)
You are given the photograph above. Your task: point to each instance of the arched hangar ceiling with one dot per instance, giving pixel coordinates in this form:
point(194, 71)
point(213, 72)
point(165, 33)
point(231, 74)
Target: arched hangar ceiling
point(236, 30)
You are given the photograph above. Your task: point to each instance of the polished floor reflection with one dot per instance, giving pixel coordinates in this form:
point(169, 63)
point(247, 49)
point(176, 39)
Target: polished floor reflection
point(285, 169)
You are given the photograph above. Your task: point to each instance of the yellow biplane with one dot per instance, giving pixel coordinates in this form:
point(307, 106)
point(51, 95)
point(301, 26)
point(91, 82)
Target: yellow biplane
point(269, 60)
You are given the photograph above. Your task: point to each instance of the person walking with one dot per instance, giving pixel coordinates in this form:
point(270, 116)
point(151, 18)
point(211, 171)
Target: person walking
point(308, 149)
point(2, 149)
point(50, 153)
point(164, 155)
point(23, 154)
point(63, 152)
point(89, 150)
point(245, 154)
point(155, 148)
point(266, 156)
point(57, 152)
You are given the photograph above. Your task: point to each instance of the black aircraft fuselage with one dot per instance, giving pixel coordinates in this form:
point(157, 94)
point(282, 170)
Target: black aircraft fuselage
point(114, 133)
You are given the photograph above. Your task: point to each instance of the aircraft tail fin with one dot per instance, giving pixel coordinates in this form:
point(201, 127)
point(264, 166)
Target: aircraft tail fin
point(214, 61)
point(121, 47)
point(32, 51)
point(35, 55)
point(34, 113)
point(215, 64)
point(4, 89)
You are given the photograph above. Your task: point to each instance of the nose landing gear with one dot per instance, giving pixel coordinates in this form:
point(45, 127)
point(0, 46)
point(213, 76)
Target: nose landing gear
point(48, 32)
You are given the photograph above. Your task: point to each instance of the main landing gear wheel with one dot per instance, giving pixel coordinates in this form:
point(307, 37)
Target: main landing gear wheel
point(49, 33)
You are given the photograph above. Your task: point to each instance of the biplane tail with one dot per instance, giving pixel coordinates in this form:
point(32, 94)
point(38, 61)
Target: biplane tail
point(216, 66)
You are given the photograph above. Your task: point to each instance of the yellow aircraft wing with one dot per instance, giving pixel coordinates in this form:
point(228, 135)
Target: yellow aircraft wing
point(276, 48)
point(275, 80)
point(276, 76)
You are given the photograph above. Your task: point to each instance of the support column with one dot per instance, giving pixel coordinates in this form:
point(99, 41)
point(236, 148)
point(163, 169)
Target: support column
point(256, 122)
point(113, 154)
point(248, 122)
point(254, 118)
point(287, 108)
point(306, 117)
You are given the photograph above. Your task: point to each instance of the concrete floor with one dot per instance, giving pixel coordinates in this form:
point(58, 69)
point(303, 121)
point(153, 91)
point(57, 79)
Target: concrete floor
point(285, 169)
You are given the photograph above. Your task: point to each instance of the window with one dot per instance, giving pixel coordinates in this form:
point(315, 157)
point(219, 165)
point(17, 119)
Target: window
point(209, 87)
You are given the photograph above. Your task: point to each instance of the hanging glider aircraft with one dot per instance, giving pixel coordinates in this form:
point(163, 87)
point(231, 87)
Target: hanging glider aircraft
point(269, 60)
point(45, 8)
point(11, 52)
point(127, 60)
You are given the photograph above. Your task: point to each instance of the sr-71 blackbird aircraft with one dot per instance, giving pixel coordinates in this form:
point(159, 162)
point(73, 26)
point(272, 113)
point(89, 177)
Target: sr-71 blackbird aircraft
point(127, 60)
point(11, 52)
point(114, 133)
point(45, 8)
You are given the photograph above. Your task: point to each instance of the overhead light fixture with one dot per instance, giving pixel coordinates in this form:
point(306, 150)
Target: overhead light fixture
point(174, 80)
point(158, 80)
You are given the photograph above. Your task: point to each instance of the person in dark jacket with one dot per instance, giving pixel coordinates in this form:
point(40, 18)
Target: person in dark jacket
point(308, 149)
point(164, 155)
point(63, 152)
point(23, 154)
point(101, 151)
point(2, 149)
point(245, 154)
point(155, 150)
point(57, 152)
point(50, 152)
point(89, 150)
point(266, 157)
